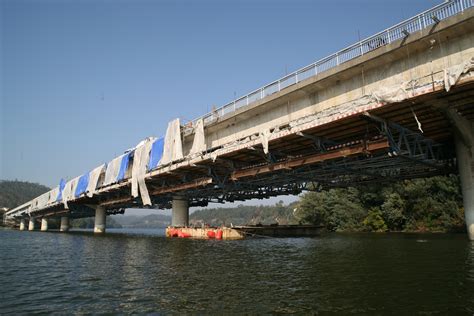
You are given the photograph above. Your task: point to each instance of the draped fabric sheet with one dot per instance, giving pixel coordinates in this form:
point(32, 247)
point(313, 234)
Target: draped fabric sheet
point(94, 176)
point(113, 169)
point(62, 184)
point(264, 136)
point(139, 168)
point(82, 184)
point(173, 149)
point(42, 200)
point(452, 74)
point(199, 142)
point(124, 166)
point(156, 153)
point(69, 190)
point(53, 195)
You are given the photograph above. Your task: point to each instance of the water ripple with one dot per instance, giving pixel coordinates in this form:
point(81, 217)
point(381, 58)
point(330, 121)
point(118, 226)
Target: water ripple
point(143, 272)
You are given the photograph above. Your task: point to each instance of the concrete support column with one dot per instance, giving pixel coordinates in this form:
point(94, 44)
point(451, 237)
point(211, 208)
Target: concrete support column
point(64, 224)
point(31, 224)
point(180, 212)
point(465, 160)
point(44, 224)
point(22, 224)
point(464, 139)
point(100, 218)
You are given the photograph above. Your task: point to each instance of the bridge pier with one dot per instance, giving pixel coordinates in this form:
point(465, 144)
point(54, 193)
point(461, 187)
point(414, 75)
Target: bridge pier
point(180, 212)
point(464, 140)
point(64, 227)
point(44, 224)
point(22, 224)
point(100, 220)
point(31, 224)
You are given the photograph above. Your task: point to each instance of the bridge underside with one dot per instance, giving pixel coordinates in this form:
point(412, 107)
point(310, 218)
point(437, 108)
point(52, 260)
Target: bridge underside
point(404, 140)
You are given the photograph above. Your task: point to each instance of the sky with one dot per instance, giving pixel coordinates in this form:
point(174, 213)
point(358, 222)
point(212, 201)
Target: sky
point(81, 81)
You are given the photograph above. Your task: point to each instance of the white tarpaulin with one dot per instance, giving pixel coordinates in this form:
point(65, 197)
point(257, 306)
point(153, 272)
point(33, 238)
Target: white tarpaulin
point(112, 171)
point(69, 190)
point(393, 93)
point(199, 142)
point(53, 195)
point(264, 136)
point(173, 146)
point(42, 200)
point(452, 74)
point(93, 179)
point(140, 160)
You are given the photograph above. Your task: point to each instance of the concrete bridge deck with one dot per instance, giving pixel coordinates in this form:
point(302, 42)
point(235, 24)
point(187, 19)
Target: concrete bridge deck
point(387, 108)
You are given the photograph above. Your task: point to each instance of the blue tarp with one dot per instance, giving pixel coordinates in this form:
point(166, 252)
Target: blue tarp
point(124, 166)
point(156, 153)
point(62, 184)
point(82, 185)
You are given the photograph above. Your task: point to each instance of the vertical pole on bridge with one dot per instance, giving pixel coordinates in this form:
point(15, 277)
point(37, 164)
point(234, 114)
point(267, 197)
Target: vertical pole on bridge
point(464, 140)
point(64, 227)
point(180, 212)
point(22, 224)
point(31, 224)
point(44, 224)
point(100, 218)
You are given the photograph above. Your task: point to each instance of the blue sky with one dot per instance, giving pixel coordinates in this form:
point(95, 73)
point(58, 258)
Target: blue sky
point(81, 81)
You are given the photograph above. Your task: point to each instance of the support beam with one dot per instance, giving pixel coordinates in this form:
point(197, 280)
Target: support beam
point(64, 224)
point(22, 224)
point(180, 212)
point(464, 139)
point(44, 224)
point(31, 224)
point(100, 220)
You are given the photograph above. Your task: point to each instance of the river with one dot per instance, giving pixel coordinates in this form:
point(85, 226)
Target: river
point(141, 271)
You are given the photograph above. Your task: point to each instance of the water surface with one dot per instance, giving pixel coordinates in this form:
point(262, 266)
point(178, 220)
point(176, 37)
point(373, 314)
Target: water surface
point(141, 271)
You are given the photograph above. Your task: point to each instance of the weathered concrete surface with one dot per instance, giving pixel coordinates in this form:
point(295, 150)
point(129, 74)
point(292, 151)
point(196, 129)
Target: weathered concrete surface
point(464, 138)
point(31, 224)
point(44, 224)
point(22, 224)
point(180, 212)
point(422, 57)
point(100, 220)
point(64, 224)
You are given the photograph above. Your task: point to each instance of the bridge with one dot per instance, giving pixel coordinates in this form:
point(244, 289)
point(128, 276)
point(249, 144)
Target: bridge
point(397, 105)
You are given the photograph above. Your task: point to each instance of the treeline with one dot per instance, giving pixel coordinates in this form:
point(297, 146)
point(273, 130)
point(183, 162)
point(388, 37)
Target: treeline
point(421, 205)
point(15, 193)
point(246, 215)
point(88, 222)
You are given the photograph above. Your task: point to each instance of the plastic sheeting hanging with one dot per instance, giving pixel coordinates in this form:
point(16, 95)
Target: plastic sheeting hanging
point(199, 142)
point(392, 94)
point(156, 153)
point(116, 169)
point(139, 168)
point(452, 74)
point(94, 176)
point(62, 184)
point(53, 195)
point(82, 184)
point(264, 137)
point(69, 189)
point(173, 149)
point(124, 166)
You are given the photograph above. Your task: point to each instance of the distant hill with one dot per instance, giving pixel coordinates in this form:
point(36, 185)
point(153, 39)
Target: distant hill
point(246, 215)
point(14, 193)
point(148, 221)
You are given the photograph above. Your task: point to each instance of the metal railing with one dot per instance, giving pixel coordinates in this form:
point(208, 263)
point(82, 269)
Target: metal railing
point(399, 31)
